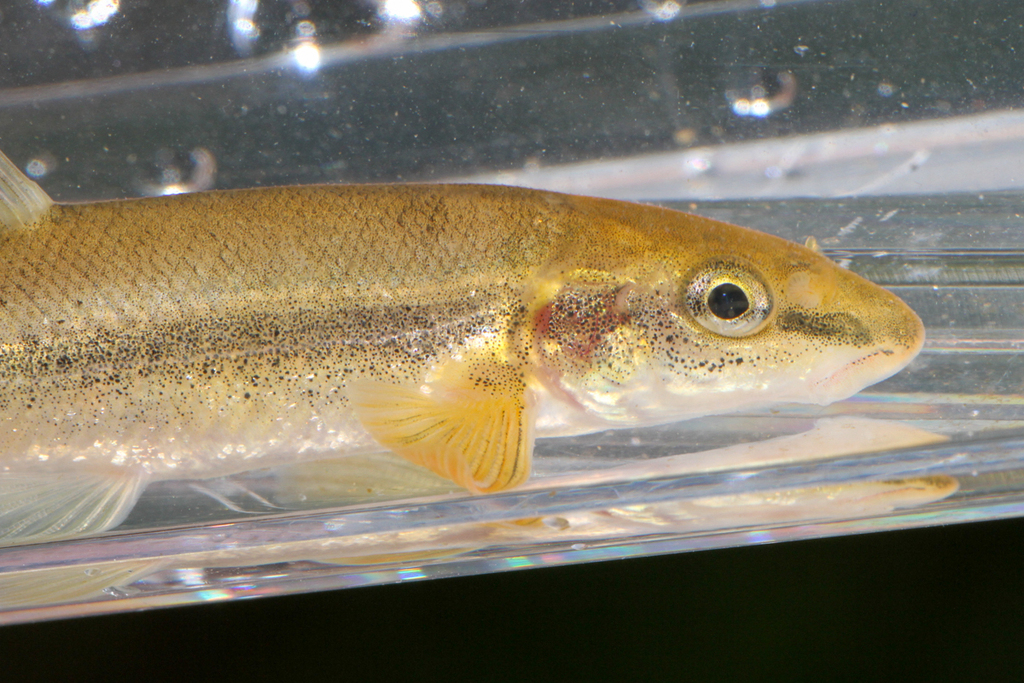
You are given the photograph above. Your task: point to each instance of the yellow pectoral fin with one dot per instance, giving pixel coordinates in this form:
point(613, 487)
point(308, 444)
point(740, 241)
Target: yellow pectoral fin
point(476, 432)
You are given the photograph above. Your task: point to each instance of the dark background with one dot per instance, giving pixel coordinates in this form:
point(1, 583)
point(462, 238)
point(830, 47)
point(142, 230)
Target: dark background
point(923, 605)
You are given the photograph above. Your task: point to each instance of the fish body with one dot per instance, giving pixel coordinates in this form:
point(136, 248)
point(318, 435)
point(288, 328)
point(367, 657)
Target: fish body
point(193, 336)
point(198, 335)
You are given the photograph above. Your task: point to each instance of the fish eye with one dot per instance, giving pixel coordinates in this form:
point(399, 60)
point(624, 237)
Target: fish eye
point(729, 299)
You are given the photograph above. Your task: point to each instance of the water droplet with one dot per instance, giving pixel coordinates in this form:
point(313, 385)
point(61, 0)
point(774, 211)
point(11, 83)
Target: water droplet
point(37, 167)
point(559, 523)
point(685, 136)
point(173, 178)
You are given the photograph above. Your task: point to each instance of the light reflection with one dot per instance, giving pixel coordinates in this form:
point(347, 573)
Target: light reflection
point(95, 13)
point(211, 595)
point(242, 25)
point(764, 98)
point(518, 562)
point(699, 164)
point(410, 574)
point(245, 28)
point(307, 56)
point(400, 11)
point(661, 11)
point(758, 107)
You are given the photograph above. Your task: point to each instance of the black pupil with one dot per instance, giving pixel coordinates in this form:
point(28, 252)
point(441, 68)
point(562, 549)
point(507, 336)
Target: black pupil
point(727, 301)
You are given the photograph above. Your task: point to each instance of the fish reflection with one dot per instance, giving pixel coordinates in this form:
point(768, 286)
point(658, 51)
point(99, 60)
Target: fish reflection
point(765, 514)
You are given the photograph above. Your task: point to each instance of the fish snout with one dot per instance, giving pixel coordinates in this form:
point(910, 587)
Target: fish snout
point(896, 336)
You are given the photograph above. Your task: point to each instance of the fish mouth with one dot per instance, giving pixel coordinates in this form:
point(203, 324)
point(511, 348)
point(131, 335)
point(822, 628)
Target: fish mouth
point(863, 371)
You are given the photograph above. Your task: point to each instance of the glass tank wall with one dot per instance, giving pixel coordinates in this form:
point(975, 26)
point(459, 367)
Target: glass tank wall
point(888, 132)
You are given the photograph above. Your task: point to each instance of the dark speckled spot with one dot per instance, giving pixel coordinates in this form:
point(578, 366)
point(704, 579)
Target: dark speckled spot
point(841, 328)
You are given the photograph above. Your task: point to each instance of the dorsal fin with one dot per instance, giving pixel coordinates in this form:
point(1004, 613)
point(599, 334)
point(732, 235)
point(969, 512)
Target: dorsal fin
point(22, 201)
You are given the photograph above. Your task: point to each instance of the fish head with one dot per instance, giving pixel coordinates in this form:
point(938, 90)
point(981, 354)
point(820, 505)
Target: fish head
point(660, 315)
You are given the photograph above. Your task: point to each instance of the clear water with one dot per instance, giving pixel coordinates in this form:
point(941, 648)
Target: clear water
point(628, 99)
